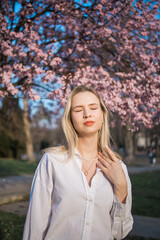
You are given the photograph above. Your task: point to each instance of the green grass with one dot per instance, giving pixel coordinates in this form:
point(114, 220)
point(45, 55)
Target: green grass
point(11, 226)
point(16, 167)
point(146, 194)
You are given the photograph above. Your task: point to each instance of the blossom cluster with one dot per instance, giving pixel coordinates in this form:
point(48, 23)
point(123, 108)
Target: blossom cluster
point(48, 47)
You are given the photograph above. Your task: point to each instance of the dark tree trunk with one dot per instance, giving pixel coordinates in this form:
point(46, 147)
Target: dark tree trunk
point(29, 144)
point(129, 146)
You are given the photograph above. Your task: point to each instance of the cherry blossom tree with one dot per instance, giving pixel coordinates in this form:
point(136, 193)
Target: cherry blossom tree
point(48, 47)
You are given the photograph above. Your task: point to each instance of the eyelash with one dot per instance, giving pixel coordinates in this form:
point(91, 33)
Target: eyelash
point(82, 110)
point(78, 110)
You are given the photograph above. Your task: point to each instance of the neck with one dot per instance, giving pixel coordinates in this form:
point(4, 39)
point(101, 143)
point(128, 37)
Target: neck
point(87, 147)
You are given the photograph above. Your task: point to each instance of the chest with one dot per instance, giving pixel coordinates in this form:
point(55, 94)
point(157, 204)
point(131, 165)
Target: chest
point(72, 185)
point(89, 170)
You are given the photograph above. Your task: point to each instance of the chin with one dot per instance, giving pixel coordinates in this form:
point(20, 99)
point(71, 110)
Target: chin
point(88, 132)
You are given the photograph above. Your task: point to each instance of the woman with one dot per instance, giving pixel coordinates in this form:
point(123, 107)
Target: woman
point(81, 192)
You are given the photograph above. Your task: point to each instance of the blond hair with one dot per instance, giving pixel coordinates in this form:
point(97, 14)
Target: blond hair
point(68, 128)
point(70, 132)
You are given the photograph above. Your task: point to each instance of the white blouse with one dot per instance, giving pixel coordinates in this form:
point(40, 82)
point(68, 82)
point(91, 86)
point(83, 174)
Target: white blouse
point(64, 207)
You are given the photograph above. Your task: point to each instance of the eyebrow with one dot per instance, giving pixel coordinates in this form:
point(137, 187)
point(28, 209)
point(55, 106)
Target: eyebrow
point(91, 104)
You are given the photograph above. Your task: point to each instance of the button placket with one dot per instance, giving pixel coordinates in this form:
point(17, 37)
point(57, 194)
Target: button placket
point(89, 211)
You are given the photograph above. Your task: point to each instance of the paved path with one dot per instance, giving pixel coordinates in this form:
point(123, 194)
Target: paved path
point(16, 187)
point(146, 168)
point(146, 227)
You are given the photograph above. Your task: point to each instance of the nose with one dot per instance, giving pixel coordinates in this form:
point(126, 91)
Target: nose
point(86, 113)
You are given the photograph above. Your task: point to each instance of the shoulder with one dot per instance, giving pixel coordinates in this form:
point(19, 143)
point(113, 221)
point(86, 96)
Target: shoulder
point(58, 149)
point(54, 153)
point(49, 162)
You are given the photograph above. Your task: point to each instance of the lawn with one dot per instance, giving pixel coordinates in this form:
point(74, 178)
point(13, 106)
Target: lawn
point(146, 194)
point(16, 167)
point(11, 226)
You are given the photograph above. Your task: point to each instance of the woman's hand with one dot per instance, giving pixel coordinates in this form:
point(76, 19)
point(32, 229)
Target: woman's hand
point(112, 168)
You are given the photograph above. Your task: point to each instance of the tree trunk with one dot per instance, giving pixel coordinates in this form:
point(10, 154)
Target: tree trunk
point(129, 146)
point(29, 144)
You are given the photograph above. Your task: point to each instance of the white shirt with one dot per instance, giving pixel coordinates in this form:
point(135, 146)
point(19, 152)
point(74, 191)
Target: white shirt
point(64, 207)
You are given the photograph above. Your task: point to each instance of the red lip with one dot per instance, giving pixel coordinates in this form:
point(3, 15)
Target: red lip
point(89, 123)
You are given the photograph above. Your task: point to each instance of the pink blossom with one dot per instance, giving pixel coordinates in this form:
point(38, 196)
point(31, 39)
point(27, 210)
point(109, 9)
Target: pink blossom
point(3, 94)
point(98, 45)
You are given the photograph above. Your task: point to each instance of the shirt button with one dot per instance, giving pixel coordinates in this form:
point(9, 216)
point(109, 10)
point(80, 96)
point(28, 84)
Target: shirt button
point(87, 224)
point(90, 200)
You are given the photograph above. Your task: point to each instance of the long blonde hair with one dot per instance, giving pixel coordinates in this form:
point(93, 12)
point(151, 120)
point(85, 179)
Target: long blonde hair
point(70, 132)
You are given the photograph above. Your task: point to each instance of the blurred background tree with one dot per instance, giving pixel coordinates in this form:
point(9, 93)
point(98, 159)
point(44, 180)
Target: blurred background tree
point(12, 135)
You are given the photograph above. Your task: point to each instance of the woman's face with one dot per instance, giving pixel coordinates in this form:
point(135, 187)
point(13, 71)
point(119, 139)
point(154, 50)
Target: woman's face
point(86, 113)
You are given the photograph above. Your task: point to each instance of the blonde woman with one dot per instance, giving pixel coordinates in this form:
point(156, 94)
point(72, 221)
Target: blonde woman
point(83, 191)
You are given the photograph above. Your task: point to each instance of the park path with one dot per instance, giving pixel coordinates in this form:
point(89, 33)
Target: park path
point(17, 188)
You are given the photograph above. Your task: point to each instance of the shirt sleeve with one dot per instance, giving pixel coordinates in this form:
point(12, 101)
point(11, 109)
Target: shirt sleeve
point(122, 220)
point(39, 210)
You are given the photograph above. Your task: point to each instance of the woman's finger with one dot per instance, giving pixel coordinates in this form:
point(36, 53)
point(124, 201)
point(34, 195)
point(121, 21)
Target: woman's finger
point(105, 158)
point(111, 154)
point(102, 167)
point(103, 161)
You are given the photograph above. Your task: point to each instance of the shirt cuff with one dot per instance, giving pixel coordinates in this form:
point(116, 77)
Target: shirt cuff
point(120, 208)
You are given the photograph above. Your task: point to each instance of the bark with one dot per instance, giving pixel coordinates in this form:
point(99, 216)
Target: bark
point(129, 146)
point(29, 143)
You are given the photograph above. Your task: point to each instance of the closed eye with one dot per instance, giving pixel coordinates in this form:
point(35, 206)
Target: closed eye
point(78, 110)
